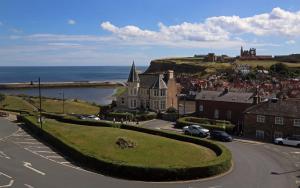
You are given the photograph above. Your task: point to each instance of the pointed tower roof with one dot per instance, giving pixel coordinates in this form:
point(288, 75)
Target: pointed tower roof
point(133, 75)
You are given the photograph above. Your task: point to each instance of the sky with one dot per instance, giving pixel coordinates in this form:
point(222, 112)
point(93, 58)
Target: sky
point(116, 32)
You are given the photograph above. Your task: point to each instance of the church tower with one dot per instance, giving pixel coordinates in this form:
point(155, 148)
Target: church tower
point(133, 88)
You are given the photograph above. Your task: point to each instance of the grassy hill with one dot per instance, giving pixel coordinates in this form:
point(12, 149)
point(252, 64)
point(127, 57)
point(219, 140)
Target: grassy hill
point(196, 65)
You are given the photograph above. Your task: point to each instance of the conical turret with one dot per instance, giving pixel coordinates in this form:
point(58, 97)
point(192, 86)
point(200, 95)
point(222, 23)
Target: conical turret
point(133, 75)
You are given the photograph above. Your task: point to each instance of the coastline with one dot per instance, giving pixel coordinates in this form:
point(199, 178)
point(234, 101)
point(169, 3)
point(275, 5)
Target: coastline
point(25, 85)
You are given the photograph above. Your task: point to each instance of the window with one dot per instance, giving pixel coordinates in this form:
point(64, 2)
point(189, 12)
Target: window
point(278, 120)
point(228, 114)
point(260, 134)
point(297, 122)
point(200, 108)
point(133, 103)
point(216, 114)
point(162, 105)
point(260, 119)
point(155, 92)
point(122, 100)
point(134, 91)
point(162, 92)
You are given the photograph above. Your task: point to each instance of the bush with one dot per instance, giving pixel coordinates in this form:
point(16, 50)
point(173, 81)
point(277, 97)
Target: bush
point(206, 123)
point(171, 110)
point(130, 116)
point(210, 168)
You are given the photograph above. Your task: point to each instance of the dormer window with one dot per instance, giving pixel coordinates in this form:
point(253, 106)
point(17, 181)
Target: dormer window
point(162, 92)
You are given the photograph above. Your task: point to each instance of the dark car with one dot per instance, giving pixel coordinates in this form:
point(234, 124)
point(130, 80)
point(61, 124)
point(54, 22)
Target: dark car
point(220, 135)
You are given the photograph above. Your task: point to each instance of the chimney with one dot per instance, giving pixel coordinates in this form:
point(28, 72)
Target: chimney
point(170, 74)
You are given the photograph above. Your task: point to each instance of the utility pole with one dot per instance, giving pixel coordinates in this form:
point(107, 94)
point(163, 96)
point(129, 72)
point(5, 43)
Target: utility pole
point(63, 101)
point(40, 109)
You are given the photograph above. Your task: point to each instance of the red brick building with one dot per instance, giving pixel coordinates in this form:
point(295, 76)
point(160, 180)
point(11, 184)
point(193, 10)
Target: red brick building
point(224, 105)
point(272, 119)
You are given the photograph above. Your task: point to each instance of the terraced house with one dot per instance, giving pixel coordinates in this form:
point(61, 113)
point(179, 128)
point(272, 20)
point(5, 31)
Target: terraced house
point(156, 92)
point(272, 119)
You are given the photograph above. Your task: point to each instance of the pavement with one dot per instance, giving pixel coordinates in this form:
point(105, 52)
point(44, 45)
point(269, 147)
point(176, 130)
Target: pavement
point(26, 161)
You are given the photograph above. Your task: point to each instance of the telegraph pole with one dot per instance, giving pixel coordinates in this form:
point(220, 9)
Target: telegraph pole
point(40, 109)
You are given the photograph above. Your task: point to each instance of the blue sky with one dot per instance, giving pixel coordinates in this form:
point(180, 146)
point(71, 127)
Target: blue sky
point(61, 32)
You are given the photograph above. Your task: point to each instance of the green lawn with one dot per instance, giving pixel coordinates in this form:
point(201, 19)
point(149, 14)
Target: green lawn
point(56, 106)
point(119, 91)
point(266, 63)
point(16, 103)
point(150, 150)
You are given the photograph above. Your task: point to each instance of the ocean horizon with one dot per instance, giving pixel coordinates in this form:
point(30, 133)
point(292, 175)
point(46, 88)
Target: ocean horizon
point(19, 74)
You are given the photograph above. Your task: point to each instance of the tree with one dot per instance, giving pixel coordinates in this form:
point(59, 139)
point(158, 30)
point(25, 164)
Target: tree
point(279, 68)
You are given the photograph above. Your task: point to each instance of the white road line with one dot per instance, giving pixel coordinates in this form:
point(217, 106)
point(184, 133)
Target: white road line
point(1, 173)
point(32, 143)
point(54, 157)
point(295, 152)
point(8, 185)
point(39, 147)
point(29, 166)
point(30, 139)
point(2, 154)
point(44, 151)
point(65, 162)
point(29, 186)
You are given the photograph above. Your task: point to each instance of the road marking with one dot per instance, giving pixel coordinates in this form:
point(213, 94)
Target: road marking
point(29, 186)
point(8, 185)
point(1, 173)
point(54, 156)
point(29, 166)
point(44, 151)
point(32, 143)
point(39, 147)
point(65, 162)
point(2, 154)
point(295, 152)
point(10, 182)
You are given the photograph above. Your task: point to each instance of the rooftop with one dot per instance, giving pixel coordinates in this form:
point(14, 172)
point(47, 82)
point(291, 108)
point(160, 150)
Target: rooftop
point(285, 108)
point(237, 97)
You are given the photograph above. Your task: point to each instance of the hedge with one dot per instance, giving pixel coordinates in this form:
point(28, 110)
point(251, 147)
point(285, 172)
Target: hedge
point(220, 164)
point(206, 123)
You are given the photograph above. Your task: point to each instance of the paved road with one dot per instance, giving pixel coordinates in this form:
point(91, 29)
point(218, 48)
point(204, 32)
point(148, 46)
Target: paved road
point(27, 162)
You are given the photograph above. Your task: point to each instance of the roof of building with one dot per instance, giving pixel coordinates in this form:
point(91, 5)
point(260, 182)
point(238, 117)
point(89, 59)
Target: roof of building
point(153, 81)
point(285, 108)
point(133, 75)
point(237, 97)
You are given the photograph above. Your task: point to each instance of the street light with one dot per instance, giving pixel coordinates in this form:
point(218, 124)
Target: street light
point(63, 101)
point(40, 100)
point(184, 98)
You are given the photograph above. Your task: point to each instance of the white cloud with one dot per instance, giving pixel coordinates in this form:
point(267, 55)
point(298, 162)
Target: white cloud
point(278, 22)
point(71, 22)
point(290, 42)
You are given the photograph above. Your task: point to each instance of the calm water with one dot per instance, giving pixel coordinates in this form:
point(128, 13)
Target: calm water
point(59, 74)
point(100, 96)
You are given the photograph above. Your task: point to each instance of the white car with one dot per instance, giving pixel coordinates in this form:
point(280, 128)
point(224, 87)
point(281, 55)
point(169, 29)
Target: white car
point(195, 130)
point(291, 141)
point(93, 117)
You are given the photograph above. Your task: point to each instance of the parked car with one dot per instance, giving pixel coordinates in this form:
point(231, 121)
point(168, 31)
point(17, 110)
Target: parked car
point(196, 130)
point(221, 135)
point(291, 141)
point(89, 117)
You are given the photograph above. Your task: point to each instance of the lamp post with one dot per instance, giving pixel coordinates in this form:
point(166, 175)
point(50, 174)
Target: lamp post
point(184, 98)
point(40, 105)
point(63, 101)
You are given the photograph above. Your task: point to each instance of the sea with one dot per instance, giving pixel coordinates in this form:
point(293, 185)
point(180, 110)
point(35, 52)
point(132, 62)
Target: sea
point(96, 95)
